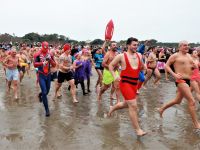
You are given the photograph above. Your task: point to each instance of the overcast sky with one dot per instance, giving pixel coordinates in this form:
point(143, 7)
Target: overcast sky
point(164, 20)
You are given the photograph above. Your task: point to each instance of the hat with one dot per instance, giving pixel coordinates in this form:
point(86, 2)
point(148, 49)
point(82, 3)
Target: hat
point(66, 47)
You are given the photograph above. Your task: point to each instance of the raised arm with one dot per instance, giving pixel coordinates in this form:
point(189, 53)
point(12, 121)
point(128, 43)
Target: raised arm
point(105, 59)
point(104, 47)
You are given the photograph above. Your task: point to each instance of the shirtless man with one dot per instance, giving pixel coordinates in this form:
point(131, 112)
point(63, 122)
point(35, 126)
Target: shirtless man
point(66, 72)
point(54, 70)
point(107, 76)
point(12, 74)
point(4, 54)
point(131, 63)
point(183, 65)
point(24, 49)
point(152, 67)
point(22, 64)
point(29, 59)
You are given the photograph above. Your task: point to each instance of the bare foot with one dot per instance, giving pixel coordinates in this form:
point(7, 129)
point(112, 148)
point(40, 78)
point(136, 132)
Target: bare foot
point(110, 111)
point(75, 101)
point(138, 92)
point(160, 111)
point(155, 85)
point(167, 79)
point(16, 97)
point(197, 126)
point(57, 96)
point(140, 133)
point(8, 90)
point(144, 87)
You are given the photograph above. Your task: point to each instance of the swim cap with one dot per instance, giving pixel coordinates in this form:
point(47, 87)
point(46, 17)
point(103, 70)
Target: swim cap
point(66, 47)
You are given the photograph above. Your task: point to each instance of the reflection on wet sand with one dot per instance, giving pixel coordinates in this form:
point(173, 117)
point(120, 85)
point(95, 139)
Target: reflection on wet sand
point(86, 125)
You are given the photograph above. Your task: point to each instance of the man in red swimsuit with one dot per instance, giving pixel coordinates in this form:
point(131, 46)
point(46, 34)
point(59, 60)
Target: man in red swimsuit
point(131, 63)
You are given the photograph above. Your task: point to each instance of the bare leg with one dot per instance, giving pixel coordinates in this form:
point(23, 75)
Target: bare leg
point(196, 89)
point(99, 81)
point(15, 88)
point(117, 94)
point(185, 90)
point(132, 105)
point(112, 91)
point(73, 90)
point(103, 89)
point(21, 76)
point(166, 75)
point(28, 70)
point(158, 76)
point(58, 93)
point(148, 77)
point(9, 86)
point(55, 85)
point(57, 88)
point(175, 101)
point(119, 105)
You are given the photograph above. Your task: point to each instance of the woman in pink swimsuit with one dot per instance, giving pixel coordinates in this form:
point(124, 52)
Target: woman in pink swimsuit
point(195, 78)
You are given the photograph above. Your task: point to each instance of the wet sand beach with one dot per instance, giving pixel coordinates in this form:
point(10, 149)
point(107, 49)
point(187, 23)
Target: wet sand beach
point(84, 126)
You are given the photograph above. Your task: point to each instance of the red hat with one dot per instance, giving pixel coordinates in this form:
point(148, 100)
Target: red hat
point(66, 47)
point(45, 45)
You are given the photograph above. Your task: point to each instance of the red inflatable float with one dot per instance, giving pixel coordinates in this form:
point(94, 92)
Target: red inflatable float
point(109, 30)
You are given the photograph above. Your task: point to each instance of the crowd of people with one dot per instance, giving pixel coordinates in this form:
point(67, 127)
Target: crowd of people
point(124, 69)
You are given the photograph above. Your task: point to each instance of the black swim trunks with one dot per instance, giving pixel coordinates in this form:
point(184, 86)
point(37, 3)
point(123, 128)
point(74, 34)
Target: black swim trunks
point(187, 81)
point(65, 76)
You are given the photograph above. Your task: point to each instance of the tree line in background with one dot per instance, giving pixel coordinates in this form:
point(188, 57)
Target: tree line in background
point(61, 39)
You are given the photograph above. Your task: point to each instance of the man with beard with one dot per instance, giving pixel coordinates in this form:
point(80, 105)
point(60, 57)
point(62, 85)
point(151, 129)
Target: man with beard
point(131, 63)
point(107, 76)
